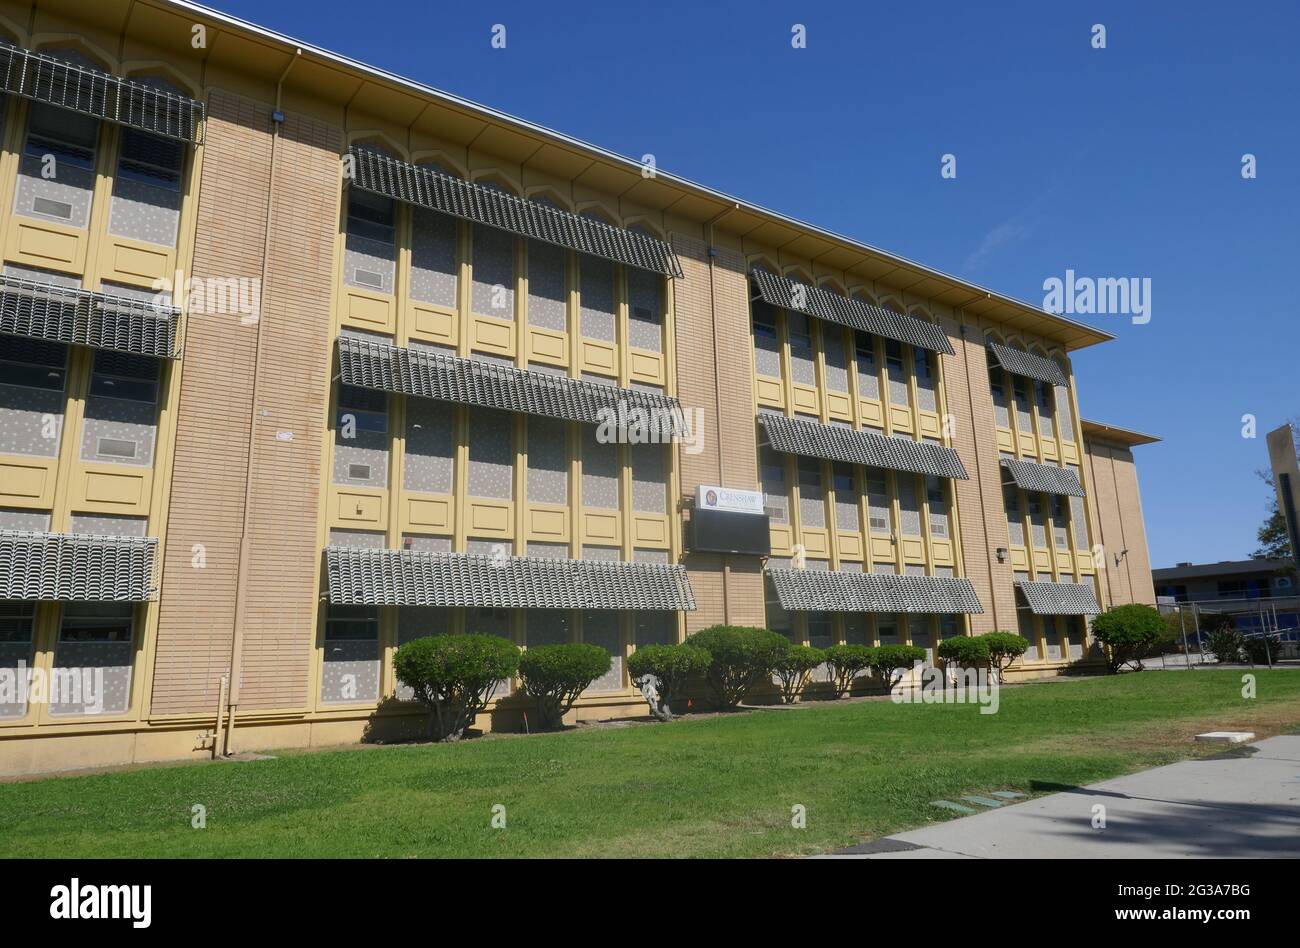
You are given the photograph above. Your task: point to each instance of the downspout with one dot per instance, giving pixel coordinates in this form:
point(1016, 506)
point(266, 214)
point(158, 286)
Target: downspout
point(241, 598)
point(717, 396)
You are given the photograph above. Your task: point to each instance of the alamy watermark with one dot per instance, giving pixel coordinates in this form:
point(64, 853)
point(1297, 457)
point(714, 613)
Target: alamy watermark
point(635, 424)
point(1105, 296)
point(931, 685)
point(21, 685)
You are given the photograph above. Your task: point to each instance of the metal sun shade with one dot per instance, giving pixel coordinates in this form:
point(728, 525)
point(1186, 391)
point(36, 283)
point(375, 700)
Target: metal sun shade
point(1043, 478)
point(1027, 364)
point(433, 189)
point(809, 590)
point(856, 314)
point(82, 317)
point(76, 567)
point(48, 79)
point(811, 439)
point(427, 374)
point(1059, 599)
point(410, 578)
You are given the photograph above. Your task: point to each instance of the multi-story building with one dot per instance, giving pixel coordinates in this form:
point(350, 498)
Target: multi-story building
point(300, 360)
point(1259, 595)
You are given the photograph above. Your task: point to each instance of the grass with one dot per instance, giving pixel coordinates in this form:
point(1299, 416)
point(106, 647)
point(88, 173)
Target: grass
point(715, 786)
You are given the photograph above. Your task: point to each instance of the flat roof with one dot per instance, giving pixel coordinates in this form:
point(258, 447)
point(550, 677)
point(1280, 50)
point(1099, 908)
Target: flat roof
point(666, 191)
point(1114, 433)
point(1224, 568)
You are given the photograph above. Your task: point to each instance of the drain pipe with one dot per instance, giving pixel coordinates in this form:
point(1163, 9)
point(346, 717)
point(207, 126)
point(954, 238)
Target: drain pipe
point(241, 600)
point(717, 394)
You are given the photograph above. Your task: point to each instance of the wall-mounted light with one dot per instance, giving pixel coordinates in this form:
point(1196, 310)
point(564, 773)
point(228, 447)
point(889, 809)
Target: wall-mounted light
point(1002, 554)
point(1119, 557)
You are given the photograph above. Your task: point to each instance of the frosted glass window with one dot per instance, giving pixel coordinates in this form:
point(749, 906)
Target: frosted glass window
point(868, 367)
point(896, 373)
point(430, 447)
point(547, 286)
point(1015, 521)
point(492, 292)
point(17, 622)
point(909, 507)
point(799, 331)
point(847, 512)
point(603, 628)
point(649, 478)
point(491, 454)
point(776, 493)
point(1060, 522)
point(435, 267)
point(547, 627)
point(1046, 409)
point(56, 173)
point(882, 517)
point(33, 374)
point(1079, 516)
point(812, 497)
point(350, 674)
point(1024, 418)
point(548, 461)
point(596, 295)
point(121, 417)
point(997, 386)
point(936, 493)
point(645, 309)
point(926, 383)
point(837, 368)
point(146, 201)
point(600, 472)
point(95, 639)
point(1037, 519)
point(767, 346)
point(1025, 626)
point(370, 243)
point(361, 438)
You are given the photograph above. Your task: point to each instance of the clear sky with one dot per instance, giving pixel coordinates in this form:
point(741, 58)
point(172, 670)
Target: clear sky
point(1116, 162)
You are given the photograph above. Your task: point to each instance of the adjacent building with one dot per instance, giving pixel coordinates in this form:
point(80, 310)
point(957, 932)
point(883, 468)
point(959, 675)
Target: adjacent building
point(300, 360)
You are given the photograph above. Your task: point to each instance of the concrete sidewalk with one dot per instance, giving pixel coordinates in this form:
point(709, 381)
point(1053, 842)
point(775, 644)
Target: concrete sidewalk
point(1242, 803)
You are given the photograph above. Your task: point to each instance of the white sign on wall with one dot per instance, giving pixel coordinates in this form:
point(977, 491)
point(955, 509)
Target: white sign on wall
point(712, 497)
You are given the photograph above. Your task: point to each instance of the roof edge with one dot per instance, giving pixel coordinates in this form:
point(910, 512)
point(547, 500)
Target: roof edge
point(1125, 436)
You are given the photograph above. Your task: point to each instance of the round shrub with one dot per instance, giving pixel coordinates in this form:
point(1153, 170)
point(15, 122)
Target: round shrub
point(554, 676)
point(1226, 644)
point(794, 668)
point(966, 651)
point(662, 671)
point(741, 658)
point(847, 662)
point(455, 676)
point(889, 660)
point(1004, 648)
point(1128, 632)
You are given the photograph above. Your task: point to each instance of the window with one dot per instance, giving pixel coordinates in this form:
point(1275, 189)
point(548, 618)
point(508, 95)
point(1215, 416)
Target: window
point(645, 309)
point(1240, 589)
point(1060, 522)
point(492, 292)
point(949, 626)
point(600, 472)
point(351, 671)
point(604, 628)
point(799, 330)
point(1037, 519)
point(417, 622)
point(812, 497)
point(868, 369)
point(491, 454)
point(776, 495)
point(435, 256)
point(547, 627)
point(1064, 413)
point(1074, 626)
point(1051, 638)
point(837, 369)
point(855, 629)
point(1025, 626)
point(1024, 417)
point(56, 174)
point(918, 627)
point(767, 346)
point(909, 505)
point(430, 447)
point(17, 620)
point(92, 659)
point(896, 373)
point(361, 437)
point(1015, 521)
point(121, 417)
point(926, 385)
point(1078, 514)
point(847, 516)
point(887, 629)
point(33, 373)
point(821, 633)
point(1046, 409)
point(878, 501)
point(936, 494)
point(596, 296)
point(997, 385)
point(649, 478)
point(548, 461)
point(146, 202)
point(370, 244)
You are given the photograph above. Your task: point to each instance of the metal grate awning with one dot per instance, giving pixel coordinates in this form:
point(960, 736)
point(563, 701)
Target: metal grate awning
point(76, 567)
point(82, 317)
point(428, 374)
point(1043, 477)
point(1027, 364)
point(67, 85)
point(1059, 599)
point(856, 314)
point(835, 443)
point(815, 590)
point(433, 189)
point(410, 578)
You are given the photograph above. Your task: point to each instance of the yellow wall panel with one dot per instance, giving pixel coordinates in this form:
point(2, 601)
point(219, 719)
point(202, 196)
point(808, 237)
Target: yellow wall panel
point(601, 527)
point(355, 507)
point(433, 325)
point(130, 262)
point(548, 523)
point(39, 244)
point(490, 518)
point(599, 357)
point(27, 482)
point(368, 311)
point(647, 367)
point(650, 530)
point(496, 336)
point(548, 345)
point(430, 513)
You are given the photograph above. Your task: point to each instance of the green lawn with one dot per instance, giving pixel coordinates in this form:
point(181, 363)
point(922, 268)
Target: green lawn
point(713, 786)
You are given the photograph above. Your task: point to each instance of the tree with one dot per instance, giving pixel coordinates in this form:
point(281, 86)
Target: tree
point(966, 651)
point(1004, 648)
point(555, 675)
point(794, 668)
point(889, 660)
point(661, 672)
point(455, 676)
point(1128, 632)
point(742, 657)
point(847, 662)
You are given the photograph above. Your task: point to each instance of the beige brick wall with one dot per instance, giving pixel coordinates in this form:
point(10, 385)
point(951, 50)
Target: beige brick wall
point(711, 314)
point(1118, 509)
point(197, 608)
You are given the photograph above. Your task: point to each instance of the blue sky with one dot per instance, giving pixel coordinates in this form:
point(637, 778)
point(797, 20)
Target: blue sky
point(1121, 162)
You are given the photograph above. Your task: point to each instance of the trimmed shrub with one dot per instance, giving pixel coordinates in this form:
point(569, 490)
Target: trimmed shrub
point(847, 662)
point(1128, 632)
point(661, 672)
point(888, 660)
point(1004, 648)
point(1226, 644)
point(966, 651)
point(455, 676)
point(793, 669)
point(1260, 649)
point(554, 676)
point(741, 659)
